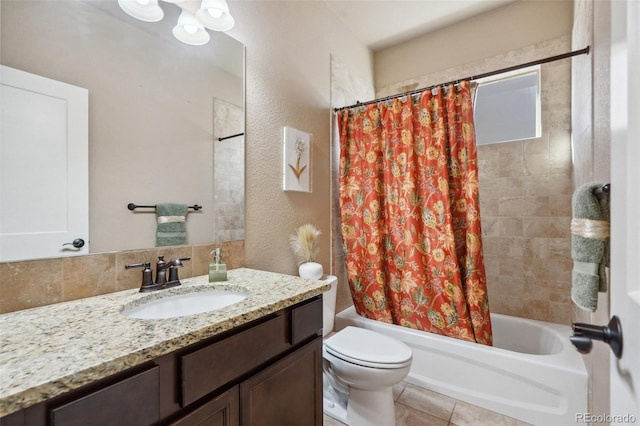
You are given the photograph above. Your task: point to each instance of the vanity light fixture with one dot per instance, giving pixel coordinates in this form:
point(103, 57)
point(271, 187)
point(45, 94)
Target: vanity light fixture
point(144, 10)
point(190, 29)
point(214, 14)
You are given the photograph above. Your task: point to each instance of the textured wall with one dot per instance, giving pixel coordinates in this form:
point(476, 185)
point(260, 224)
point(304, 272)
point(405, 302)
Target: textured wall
point(288, 48)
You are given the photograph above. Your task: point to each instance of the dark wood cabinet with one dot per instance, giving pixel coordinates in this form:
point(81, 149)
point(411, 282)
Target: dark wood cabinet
point(134, 399)
point(267, 372)
point(284, 394)
point(223, 410)
point(213, 366)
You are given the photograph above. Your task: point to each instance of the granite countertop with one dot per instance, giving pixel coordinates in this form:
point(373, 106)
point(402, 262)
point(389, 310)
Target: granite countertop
point(50, 350)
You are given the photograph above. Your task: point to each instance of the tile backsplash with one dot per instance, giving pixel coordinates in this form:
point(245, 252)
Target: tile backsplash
point(33, 283)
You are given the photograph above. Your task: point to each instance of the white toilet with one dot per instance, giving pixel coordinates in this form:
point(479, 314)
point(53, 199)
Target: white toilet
point(360, 369)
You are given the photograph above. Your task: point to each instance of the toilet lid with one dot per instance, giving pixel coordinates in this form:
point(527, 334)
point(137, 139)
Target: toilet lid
point(368, 348)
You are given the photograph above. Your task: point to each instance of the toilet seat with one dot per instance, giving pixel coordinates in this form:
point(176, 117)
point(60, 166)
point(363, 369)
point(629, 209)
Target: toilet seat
point(369, 349)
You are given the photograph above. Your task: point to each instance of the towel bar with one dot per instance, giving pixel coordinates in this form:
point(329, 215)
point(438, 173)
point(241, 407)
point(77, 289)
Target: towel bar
point(132, 207)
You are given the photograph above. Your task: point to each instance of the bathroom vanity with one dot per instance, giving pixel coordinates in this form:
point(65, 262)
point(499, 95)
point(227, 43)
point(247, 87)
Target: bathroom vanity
point(241, 364)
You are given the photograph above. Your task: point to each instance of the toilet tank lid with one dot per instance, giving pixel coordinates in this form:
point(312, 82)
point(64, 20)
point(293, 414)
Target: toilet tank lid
point(370, 346)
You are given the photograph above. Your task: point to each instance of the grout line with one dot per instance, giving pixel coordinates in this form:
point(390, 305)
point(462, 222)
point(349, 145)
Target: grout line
point(452, 410)
point(404, 387)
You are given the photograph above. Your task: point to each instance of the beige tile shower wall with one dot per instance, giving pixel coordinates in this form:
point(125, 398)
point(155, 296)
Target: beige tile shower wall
point(525, 191)
point(525, 202)
point(34, 283)
point(525, 194)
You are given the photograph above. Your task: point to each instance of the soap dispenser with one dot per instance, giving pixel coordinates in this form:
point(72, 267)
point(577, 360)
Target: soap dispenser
point(217, 269)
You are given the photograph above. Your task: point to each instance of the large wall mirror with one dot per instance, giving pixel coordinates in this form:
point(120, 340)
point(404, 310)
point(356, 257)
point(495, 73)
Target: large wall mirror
point(157, 107)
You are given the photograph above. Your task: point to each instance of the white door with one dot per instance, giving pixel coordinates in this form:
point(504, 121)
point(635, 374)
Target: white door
point(625, 207)
point(44, 195)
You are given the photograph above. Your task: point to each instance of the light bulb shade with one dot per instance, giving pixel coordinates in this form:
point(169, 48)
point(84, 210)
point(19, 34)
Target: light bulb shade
point(214, 14)
point(144, 10)
point(190, 31)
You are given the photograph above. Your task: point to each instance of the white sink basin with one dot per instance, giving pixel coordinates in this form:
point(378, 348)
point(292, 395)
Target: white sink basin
point(184, 304)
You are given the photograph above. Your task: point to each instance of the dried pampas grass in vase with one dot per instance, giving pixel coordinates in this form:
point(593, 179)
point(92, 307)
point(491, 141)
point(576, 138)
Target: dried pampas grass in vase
point(304, 247)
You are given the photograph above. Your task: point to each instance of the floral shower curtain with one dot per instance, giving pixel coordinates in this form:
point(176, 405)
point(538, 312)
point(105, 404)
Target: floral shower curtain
point(410, 216)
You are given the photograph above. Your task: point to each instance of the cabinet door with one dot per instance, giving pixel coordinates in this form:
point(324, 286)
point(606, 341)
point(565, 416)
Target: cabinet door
point(220, 411)
point(288, 393)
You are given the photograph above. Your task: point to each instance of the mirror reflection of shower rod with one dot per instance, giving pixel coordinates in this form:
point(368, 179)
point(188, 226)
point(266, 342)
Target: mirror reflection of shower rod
point(230, 137)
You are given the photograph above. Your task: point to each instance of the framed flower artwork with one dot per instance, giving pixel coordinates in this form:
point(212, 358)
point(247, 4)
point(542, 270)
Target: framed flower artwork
point(297, 155)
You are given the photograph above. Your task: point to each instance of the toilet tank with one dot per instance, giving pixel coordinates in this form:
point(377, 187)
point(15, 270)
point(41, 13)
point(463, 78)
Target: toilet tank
point(329, 304)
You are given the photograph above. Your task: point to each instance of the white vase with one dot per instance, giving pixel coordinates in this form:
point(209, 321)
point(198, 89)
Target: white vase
point(311, 270)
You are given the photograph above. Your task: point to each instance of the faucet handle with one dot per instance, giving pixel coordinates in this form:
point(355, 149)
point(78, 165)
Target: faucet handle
point(173, 269)
point(147, 274)
point(177, 263)
point(137, 265)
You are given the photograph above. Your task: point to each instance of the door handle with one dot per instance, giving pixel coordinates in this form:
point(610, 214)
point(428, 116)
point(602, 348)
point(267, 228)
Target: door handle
point(584, 334)
point(77, 243)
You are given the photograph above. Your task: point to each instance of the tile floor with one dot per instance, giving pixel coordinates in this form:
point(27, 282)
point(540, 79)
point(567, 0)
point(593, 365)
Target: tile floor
point(416, 406)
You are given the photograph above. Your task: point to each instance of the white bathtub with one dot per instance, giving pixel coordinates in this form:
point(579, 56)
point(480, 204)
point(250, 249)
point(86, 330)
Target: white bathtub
point(532, 372)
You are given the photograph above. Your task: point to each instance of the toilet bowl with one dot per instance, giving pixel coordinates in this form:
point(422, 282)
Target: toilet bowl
point(360, 369)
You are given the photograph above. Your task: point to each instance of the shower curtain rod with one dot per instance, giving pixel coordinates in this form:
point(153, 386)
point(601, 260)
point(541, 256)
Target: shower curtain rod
point(584, 51)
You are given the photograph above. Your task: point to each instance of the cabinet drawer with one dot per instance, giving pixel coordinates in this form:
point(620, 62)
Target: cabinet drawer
point(133, 401)
point(306, 320)
point(211, 367)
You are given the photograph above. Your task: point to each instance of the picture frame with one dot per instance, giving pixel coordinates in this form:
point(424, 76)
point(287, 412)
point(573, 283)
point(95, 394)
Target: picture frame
point(297, 160)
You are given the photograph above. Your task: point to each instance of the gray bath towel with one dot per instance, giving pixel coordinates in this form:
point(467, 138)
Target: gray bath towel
point(172, 227)
point(589, 245)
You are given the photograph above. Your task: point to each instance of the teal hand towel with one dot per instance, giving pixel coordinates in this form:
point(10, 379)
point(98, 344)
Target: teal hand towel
point(589, 245)
point(172, 227)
